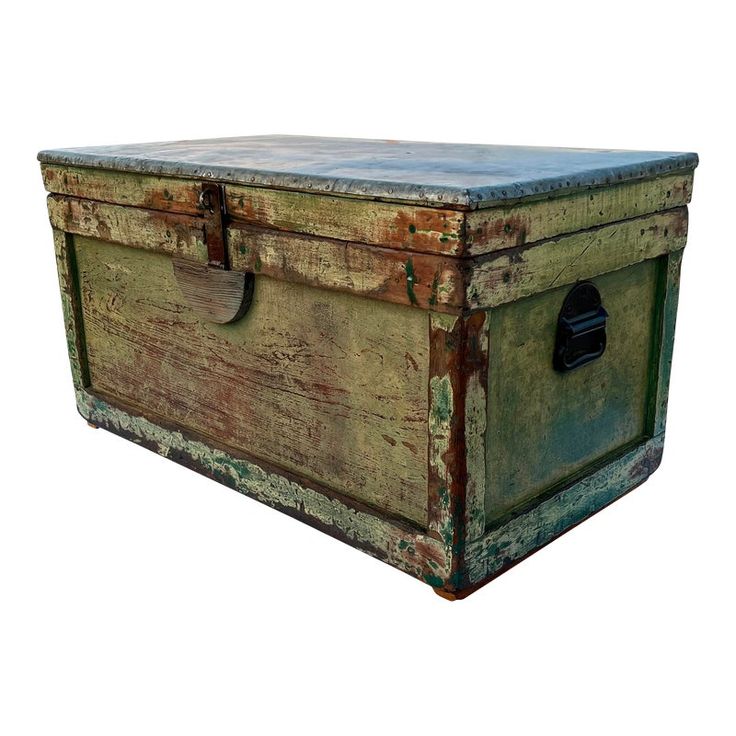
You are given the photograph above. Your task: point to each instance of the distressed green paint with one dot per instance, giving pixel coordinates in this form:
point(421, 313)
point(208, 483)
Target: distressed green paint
point(441, 390)
point(435, 286)
point(558, 490)
point(476, 412)
point(66, 269)
point(411, 279)
point(398, 545)
point(441, 410)
point(258, 385)
point(503, 546)
point(513, 274)
point(666, 330)
point(545, 426)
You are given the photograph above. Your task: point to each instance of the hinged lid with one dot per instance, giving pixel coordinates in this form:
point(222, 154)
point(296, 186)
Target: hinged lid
point(461, 227)
point(463, 176)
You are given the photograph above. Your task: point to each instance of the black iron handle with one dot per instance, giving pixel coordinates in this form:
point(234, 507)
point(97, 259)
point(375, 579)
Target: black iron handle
point(581, 328)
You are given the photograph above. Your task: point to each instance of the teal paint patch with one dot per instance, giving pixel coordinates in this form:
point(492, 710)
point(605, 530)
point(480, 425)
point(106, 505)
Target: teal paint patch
point(411, 280)
point(377, 536)
point(441, 402)
point(434, 580)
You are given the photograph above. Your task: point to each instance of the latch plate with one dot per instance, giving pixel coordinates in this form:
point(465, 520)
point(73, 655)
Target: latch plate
point(211, 202)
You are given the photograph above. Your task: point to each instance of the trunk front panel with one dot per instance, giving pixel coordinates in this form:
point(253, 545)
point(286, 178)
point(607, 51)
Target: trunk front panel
point(329, 386)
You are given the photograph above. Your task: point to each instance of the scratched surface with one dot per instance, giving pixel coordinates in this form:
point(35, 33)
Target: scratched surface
point(468, 175)
point(545, 426)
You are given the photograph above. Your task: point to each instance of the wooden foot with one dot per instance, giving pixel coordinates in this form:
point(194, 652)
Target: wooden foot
point(446, 594)
point(94, 426)
point(458, 595)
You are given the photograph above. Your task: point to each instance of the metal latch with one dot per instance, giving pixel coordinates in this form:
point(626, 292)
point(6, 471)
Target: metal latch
point(211, 201)
point(212, 291)
point(581, 328)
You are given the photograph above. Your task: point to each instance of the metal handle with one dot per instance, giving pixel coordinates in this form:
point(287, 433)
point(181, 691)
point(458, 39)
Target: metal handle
point(581, 328)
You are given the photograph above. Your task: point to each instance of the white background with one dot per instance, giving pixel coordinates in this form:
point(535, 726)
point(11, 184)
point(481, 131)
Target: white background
point(137, 597)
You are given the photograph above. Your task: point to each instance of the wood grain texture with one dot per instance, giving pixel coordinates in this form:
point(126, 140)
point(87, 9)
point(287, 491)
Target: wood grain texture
point(384, 538)
point(499, 228)
point(513, 274)
point(545, 426)
point(457, 370)
point(328, 386)
point(174, 234)
point(503, 546)
point(71, 308)
point(414, 279)
point(404, 227)
point(213, 294)
point(665, 339)
point(129, 189)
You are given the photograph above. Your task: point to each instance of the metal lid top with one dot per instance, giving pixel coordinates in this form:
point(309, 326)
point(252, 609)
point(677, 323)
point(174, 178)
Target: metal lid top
point(467, 175)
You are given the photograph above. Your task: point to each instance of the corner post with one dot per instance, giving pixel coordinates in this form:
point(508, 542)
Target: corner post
point(666, 331)
point(457, 424)
point(72, 309)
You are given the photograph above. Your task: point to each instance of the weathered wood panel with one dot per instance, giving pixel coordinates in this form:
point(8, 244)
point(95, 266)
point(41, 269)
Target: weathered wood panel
point(457, 421)
point(526, 222)
point(130, 189)
point(502, 547)
point(414, 279)
point(388, 540)
point(179, 235)
point(509, 275)
point(405, 227)
point(71, 308)
point(330, 387)
point(665, 339)
point(213, 294)
point(544, 426)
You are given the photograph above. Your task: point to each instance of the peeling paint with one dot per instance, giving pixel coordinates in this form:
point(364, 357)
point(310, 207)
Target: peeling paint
point(399, 546)
point(411, 281)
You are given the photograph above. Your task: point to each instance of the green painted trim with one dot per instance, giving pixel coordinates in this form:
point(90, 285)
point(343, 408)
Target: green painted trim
point(509, 543)
point(667, 316)
point(73, 323)
point(413, 552)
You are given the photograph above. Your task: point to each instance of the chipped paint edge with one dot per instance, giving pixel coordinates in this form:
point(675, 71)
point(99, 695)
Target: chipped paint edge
point(71, 310)
point(666, 327)
point(412, 552)
point(504, 546)
point(431, 195)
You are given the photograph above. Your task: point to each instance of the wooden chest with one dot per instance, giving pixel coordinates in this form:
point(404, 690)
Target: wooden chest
point(445, 355)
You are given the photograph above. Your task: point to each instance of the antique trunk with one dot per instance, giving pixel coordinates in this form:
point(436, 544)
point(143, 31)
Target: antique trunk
point(445, 355)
